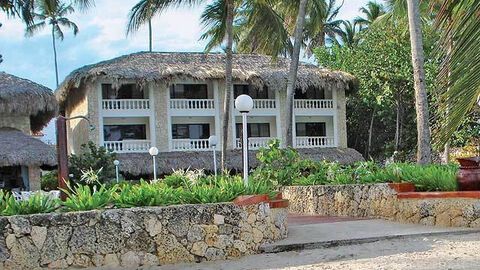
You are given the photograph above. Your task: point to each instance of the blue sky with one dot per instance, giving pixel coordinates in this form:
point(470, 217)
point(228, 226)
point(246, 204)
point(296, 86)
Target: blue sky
point(101, 37)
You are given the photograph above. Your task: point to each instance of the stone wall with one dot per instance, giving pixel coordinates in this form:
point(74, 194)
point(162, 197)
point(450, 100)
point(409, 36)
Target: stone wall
point(20, 122)
point(138, 236)
point(380, 201)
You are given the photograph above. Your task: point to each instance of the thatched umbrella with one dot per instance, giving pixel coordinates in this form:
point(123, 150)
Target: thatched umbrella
point(258, 70)
point(23, 97)
point(141, 163)
point(18, 149)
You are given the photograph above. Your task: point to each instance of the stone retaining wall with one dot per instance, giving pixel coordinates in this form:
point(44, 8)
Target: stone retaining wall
point(138, 236)
point(380, 201)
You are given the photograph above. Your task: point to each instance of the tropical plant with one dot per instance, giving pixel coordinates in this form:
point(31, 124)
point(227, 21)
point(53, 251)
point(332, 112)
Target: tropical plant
point(36, 203)
point(94, 159)
point(147, 194)
point(140, 14)
point(346, 34)
point(91, 177)
point(85, 198)
point(53, 13)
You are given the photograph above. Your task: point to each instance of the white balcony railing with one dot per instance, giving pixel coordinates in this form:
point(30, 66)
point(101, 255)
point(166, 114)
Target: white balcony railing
point(192, 104)
point(312, 142)
point(126, 104)
point(264, 104)
point(190, 145)
point(128, 146)
point(313, 104)
point(254, 143)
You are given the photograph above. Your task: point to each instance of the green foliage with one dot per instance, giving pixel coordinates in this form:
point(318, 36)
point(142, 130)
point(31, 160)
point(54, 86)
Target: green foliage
point(49, 181)
point(85, 198)
point(37, 203)
point(93, 158)
point(147, 194)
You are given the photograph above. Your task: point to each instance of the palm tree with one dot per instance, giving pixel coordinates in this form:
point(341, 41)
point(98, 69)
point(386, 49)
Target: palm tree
point(372, 11)
point(320, 21)
point(292, 74)
point(346, 34)
point(458, 21)
point(421, 102)
point(140, 14)
point(143, 13)
point(52, 13)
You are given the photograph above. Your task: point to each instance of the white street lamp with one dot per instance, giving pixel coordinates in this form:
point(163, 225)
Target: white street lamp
point(244, 104)
point(212, 142)
point(153, 151)
point(116, 163)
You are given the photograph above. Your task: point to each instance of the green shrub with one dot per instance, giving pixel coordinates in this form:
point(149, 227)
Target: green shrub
point(36, 203)
point(49, 181)
point(147, 194)
point(4, 198)
point(92, 158)
point(175, 180)
point(84, 198)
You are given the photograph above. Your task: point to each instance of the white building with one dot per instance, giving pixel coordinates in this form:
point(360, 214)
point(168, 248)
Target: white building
point(174, 101)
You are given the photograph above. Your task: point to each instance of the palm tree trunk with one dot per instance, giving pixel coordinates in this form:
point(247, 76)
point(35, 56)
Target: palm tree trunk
point(446, 148)
point(228, 81)
point(55, 54)
point(421, 101)
point(150, 42)
point(370, 133)
point(292, 74)
point(397, 124)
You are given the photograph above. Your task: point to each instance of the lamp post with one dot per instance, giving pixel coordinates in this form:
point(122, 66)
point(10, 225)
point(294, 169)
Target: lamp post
point(212, 142)
point(62, 152)
point(244, 104)
point(154, 152)
point(116, 163)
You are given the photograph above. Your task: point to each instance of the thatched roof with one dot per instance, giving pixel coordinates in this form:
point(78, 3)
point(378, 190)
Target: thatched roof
point(24, 97)
point(258, 70)
point(141, 163)
point(17, 148)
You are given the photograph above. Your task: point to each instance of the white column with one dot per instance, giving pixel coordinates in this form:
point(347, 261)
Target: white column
point(100, 114)
point(233, 130)
point(218, 122)
point(151, 119)
point(278, 117)
point(169, 119)
point(335, 118)
point(294, 129)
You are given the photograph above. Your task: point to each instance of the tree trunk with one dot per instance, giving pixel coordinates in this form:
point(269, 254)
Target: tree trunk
point(397, 124)
point(292, 74)
point(446, 147)
point(150, 41)
point(424, 151)
point(370, 134)
point(228, 81)
point(55, 54)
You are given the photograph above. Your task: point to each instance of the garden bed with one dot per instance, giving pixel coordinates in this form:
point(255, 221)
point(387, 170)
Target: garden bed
point(132, 237)
point(451, 208)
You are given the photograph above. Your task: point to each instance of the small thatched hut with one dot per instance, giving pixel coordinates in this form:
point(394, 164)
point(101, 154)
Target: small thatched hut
point(174, 101)
point(25, 108)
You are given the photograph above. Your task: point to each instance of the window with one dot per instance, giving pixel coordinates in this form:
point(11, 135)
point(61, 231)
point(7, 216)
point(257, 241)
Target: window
point(254, 130)
point(311, 93)
point(189, 91)
point(126, 91)
point(311, 129)
point(255, 93)
point(124, 132)
point(190, 131)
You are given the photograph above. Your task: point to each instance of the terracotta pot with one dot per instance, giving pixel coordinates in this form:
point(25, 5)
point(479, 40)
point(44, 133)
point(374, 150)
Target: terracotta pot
point(468, 178)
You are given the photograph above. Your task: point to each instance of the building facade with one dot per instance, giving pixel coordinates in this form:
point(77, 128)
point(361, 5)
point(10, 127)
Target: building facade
point(179, 113)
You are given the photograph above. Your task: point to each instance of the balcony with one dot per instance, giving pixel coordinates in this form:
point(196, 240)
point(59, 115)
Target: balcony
point(128, 146)
point(314, 142)
point(190, 145)
point(313, 104)
point(187, 106)
point(254, 143)
point(122, 107)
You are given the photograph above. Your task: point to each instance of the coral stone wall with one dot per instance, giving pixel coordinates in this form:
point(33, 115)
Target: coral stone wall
point(380, 201)
point(138, 236)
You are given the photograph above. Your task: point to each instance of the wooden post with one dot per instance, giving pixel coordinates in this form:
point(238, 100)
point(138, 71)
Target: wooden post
point(62, 155)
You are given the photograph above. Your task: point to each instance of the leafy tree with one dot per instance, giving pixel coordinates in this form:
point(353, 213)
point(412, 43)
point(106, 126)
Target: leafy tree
point(92, 158)
point(380, 115)
point(53, 13)
point(346, 34)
